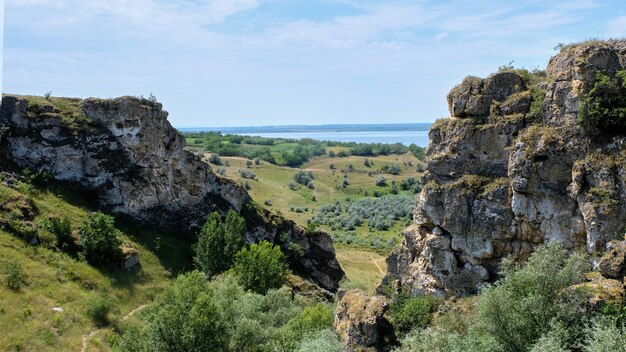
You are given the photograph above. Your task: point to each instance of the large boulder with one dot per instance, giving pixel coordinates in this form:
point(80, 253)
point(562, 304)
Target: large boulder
point(360, 322)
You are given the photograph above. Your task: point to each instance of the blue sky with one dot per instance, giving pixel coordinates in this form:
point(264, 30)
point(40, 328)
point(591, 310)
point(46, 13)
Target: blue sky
point(262, 62)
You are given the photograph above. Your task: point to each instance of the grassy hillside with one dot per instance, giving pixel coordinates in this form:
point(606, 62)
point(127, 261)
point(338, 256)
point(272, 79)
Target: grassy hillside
point(58, 289)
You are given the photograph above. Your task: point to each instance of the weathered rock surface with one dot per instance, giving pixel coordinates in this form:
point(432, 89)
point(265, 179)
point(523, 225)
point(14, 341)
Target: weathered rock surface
point(503, 179)
point(360, 322)
point(126, 156)
point(612, 265)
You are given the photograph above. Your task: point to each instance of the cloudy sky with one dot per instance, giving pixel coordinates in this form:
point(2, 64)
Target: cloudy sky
point(262, 62)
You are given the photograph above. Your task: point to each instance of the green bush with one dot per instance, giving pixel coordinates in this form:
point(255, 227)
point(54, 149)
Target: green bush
point(13, 275)
point(99, 239)
point(62, 230)
point(260, 267)
point(320, 341)
point(410, 313)
point(218, 242)
point(98, 309)
point(604, 107)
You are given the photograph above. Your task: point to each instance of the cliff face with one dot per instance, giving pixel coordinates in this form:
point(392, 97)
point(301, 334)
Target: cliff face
point(512, 168)
point(125, 154)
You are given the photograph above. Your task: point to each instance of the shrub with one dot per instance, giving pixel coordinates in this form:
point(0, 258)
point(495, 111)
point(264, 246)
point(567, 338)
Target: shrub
point(303, 178)
point(267, 202)
point(221, 171)
point(13, 275)
point(62, 230)
point(99, 239)
point(367, 163)
point(248, 163)
point(292, 185)
point(215, 159)
point(260, 267)
point(528, 301)
point(257, 161)
point(218, 242)
point(98, 309)
point(321, 341)
point(395, 169)
point(247, 173)
point(410, 313)
point(380, 181)
point(187, 317)
point(345, 183)
point(604, 107)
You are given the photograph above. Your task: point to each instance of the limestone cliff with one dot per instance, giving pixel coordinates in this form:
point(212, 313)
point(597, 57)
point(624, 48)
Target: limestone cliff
point(125, 155)
point(513, 168)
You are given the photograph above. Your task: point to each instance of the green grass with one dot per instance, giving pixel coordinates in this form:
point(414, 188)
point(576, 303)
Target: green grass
point(56, 279)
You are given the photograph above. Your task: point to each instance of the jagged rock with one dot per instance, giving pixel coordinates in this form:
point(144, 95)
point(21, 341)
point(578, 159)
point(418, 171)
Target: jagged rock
point(130, 257)
point(124, 155)
point(612, 265)
point(502, 180)
point(473, 97)
point(360, 322)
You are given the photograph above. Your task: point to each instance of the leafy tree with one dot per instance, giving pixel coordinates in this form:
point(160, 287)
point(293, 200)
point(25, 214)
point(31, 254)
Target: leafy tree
point(260, 267)
point(218, 242)
point(185, 318)
point(99, 239)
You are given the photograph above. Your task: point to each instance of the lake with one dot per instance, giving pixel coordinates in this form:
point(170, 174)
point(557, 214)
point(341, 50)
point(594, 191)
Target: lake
point(417, 135)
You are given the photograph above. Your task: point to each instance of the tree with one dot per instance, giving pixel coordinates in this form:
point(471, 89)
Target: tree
point(218, 242)
point(99, 239)
point(185, 318)
point(260, 267)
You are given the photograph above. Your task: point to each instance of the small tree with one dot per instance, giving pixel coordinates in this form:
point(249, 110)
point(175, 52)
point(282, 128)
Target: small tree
point(99, 239)
point(380, 181)
point(218, 242)
point(260, 267)
point(13, 276)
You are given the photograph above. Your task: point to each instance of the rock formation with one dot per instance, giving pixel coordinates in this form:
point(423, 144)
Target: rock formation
point(360, 322)
point(125, 155)
point(512, 168)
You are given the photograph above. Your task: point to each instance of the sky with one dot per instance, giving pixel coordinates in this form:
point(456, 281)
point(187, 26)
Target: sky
point(275, 62)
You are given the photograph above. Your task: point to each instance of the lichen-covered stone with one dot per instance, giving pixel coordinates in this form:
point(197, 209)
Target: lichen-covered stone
point(360, 322)
point(125, 156)
point(501, 182)
point(612, 265)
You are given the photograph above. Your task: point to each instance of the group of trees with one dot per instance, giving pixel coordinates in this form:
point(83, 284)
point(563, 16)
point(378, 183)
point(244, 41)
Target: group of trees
point(380, 213)
point(535, 307)
point(275, 150)
point(197, 314)
point(222, 247)
point(232, 302)
point(604, 107)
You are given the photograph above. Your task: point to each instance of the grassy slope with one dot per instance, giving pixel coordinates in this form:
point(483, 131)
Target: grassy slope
point(55, 279)
point(358, 263)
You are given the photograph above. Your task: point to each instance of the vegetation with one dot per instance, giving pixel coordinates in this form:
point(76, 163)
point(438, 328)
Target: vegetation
point(604, 106)
point(535, 307)
point(98, 309)
point(13, 275)
point(289, 152)
point(380, 213)
point(99, 239)
point(408, 313)
point(239, 320)
point(260, 267)
point(218, 242)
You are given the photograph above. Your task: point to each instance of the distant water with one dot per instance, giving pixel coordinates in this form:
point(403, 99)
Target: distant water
point(406, 136)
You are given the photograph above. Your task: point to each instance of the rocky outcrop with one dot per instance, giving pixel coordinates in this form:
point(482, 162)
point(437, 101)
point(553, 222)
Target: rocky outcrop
point(360, 322)
point(124, 154)
point(511, 169)
point(612, 264)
